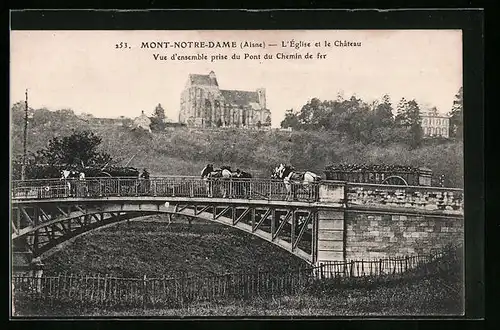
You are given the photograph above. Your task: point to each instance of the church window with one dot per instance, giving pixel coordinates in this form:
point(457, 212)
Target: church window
point(208, 112)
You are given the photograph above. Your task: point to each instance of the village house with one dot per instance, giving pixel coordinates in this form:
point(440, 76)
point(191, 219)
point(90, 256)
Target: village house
point(143, 122)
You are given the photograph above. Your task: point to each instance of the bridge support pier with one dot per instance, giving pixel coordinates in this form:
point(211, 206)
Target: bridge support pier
point(330, 236)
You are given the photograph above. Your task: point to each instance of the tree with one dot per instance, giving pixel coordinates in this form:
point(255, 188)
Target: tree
point(18, 113)
point(42, 117)
point(158, 119)
point(456, 116)
point(268, 121)
point(412, 113)
point(401, 118)
point(156, 125)
point(290, 120)
point(159, 112)
point(413, 119)
point(383, 112)
point(80, 148)
point(311, 113)
point(219, 122)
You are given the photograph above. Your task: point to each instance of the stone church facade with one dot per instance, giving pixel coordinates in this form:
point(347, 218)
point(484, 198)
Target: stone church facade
point(204, 104)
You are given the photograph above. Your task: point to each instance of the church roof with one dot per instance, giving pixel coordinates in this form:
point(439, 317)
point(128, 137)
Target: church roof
point(242, 98)
point(202, 79)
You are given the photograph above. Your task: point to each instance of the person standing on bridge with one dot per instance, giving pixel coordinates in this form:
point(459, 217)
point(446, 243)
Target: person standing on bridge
point(83, 185)
point(145, 181)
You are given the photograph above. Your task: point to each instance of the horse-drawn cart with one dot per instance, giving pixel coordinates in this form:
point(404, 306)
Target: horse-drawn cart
point(104, 182)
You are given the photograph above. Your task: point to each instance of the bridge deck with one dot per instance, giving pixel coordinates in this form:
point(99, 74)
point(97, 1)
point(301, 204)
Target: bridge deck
point(325, 194)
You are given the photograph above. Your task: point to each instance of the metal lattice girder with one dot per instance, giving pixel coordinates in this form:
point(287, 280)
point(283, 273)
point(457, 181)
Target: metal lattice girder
point(57, 223)
point(47, 236)
point(264, 217)
point(14, 228)
point(217, 215)
point(27, 216)
point(203, 209)
point(302, 230)
point(255, 216)
point(282, 224)
point(180, 208)
point(245, 212)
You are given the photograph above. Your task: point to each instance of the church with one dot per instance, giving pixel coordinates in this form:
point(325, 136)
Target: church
point(203, 104)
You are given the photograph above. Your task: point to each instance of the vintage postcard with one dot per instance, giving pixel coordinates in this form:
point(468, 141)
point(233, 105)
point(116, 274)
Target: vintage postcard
point(237, 173)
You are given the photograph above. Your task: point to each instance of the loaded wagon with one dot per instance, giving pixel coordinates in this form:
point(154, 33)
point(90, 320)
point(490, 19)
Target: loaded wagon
point(383, 174)
point(104, 181)
point(45, 181)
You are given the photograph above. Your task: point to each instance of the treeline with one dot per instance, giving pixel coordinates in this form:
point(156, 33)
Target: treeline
point(370, 122)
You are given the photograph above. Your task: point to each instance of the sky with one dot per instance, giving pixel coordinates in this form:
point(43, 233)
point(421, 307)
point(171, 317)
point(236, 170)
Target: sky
point(84, 71)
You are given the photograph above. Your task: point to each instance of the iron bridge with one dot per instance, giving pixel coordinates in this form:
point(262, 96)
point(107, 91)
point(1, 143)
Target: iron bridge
point(46, 213)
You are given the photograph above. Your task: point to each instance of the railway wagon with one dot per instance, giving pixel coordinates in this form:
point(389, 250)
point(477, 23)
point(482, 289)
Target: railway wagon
point(383, 174)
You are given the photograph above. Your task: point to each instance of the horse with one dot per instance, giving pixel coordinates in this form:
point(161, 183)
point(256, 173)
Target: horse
point(224, 174)
point(242, 187)
point(205, 176)
point(212, 176)
point(293, 179)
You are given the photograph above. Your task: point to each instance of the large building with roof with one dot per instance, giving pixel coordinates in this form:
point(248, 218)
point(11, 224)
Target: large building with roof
point(435, 124)
point(204, 104)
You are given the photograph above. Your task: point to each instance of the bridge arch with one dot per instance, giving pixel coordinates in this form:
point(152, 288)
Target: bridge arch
point(49, 231)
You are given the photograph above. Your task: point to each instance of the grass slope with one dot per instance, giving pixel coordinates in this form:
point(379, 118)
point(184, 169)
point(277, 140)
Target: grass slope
point(186, 152)
point(440, 294)
point(156, 248)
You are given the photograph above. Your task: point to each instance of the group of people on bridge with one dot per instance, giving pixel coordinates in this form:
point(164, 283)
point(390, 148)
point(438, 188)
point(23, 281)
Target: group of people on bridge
point(216, 179)
point(217, 182)
point(293, 180)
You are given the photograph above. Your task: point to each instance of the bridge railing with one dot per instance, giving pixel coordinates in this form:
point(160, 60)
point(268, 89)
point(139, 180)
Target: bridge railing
point(326, 192)
point(255, 189)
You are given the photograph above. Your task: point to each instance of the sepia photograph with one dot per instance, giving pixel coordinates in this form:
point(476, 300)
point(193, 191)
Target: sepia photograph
point(230, 173)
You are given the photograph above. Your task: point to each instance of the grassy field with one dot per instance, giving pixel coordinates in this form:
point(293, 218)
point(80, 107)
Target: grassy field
point(436, 295)
point(185, 152)
point(153, 247)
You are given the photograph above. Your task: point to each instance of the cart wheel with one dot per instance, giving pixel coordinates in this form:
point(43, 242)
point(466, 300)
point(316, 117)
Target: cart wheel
point(395, 180)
